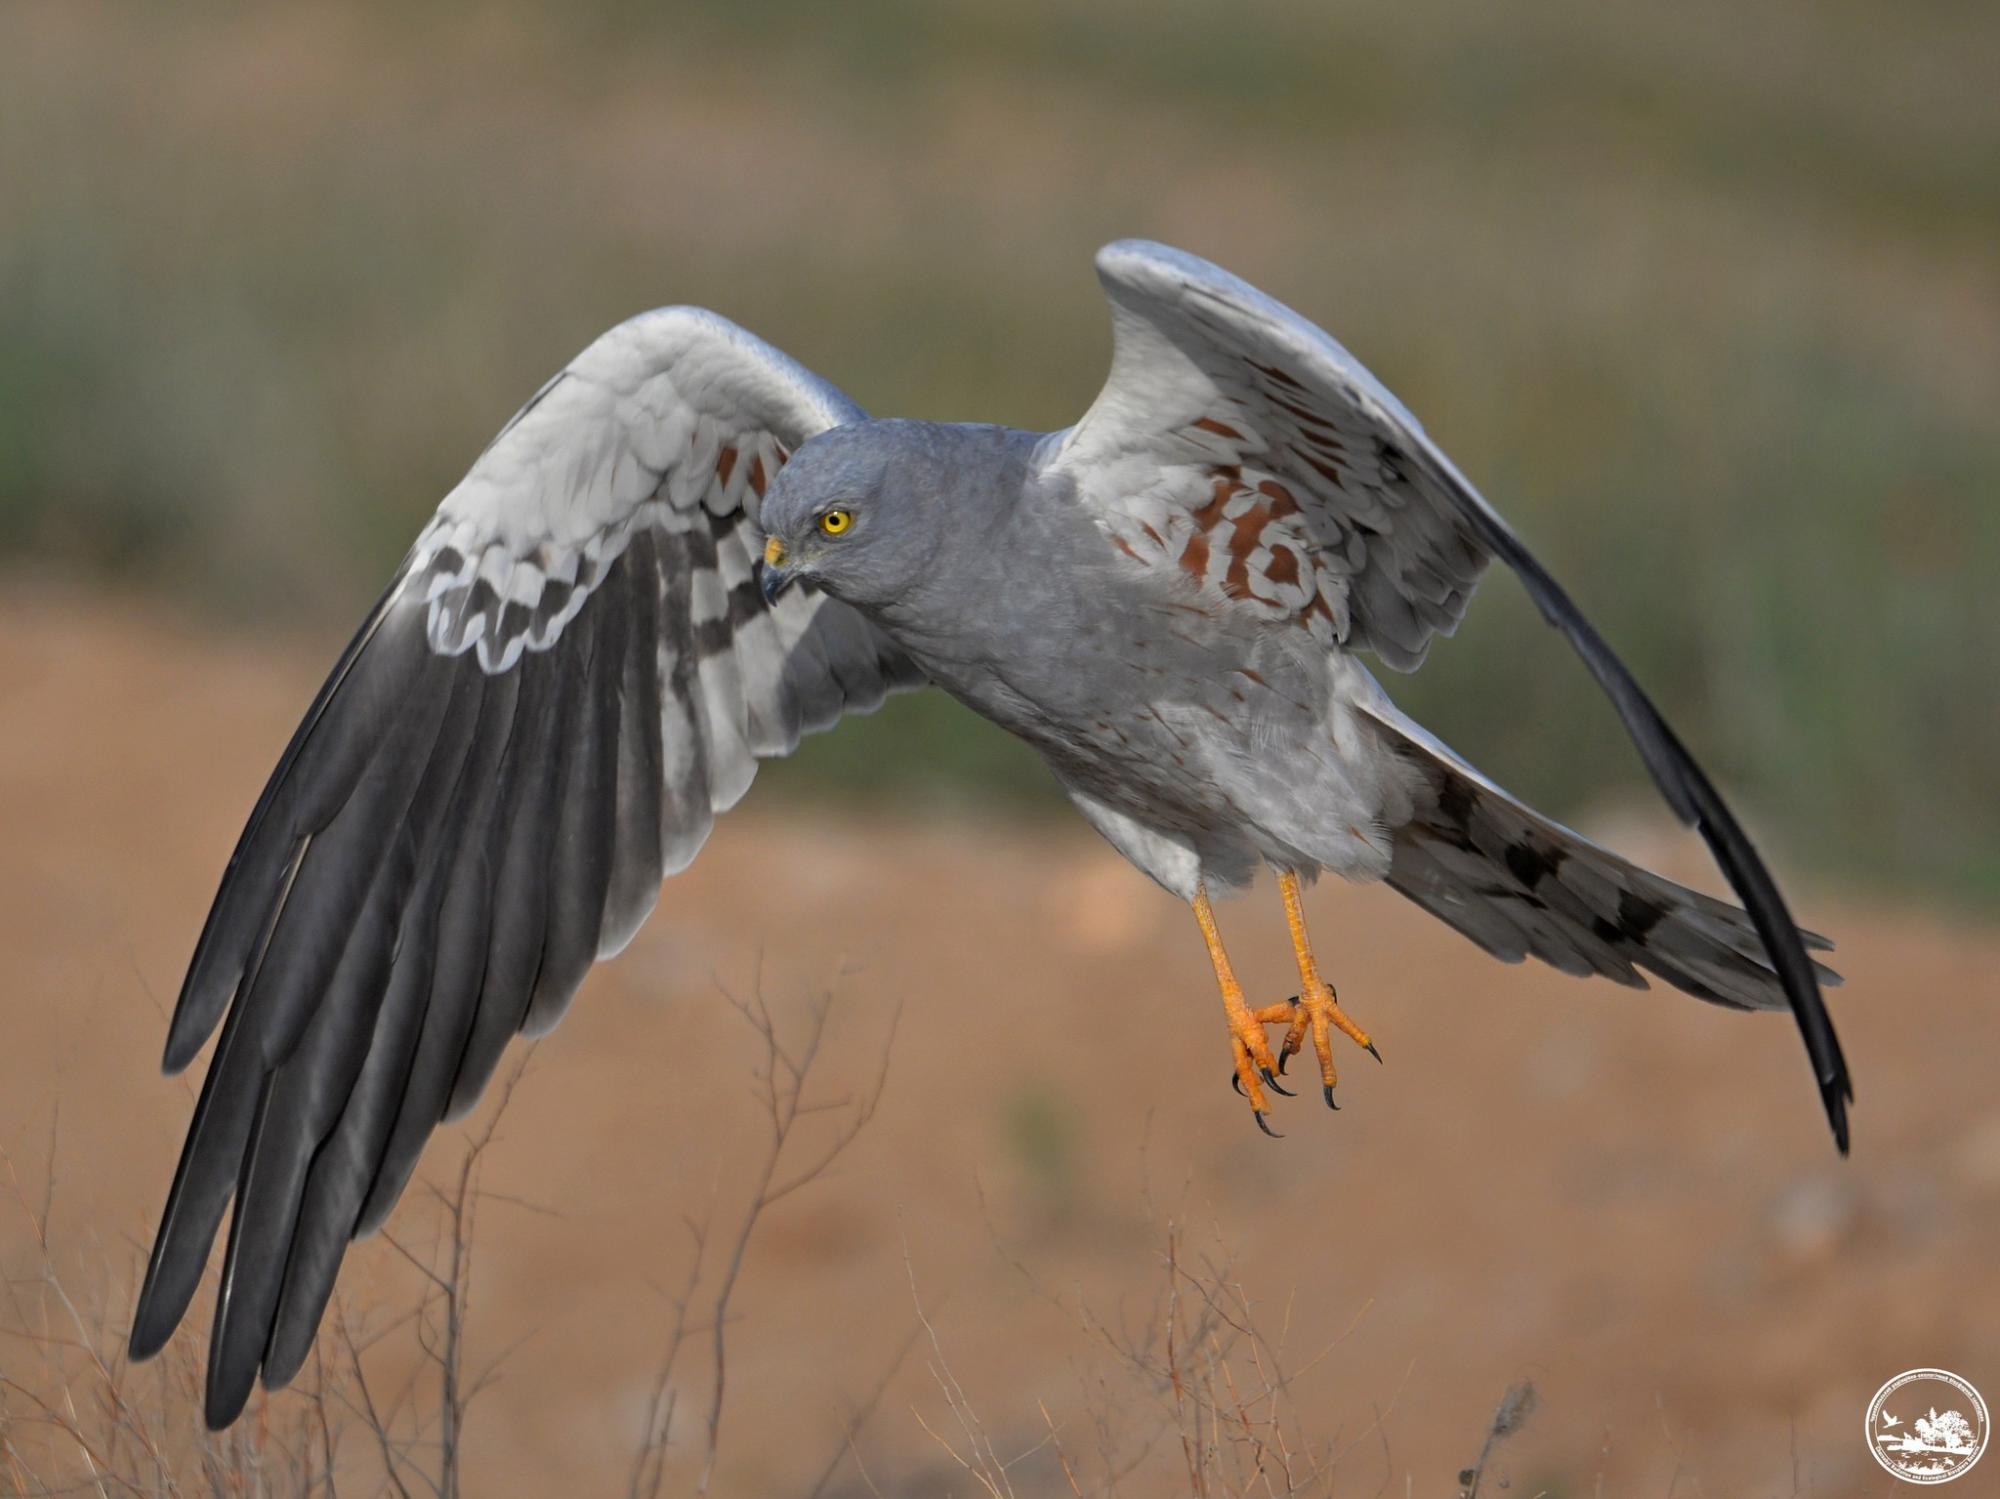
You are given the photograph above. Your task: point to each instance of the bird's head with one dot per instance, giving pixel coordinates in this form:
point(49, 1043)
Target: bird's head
point(854, 513)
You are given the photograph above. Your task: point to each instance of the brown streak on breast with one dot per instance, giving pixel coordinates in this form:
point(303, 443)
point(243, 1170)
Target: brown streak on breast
point(1125, 547)
point(1280, 497)
point(1283, 568)
point(1154, 714)
point(1194, 558)
point(1244, 539)
point(757, 475)
point(1326, 470)
point(1248, 533)
point(1317, 420)
point(1210, 515)
point(1152, 535)
point(725, 465)
point(1273, 371)
point(1220, 429)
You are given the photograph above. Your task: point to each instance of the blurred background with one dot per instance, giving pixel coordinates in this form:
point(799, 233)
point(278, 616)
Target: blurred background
point(1705, 297)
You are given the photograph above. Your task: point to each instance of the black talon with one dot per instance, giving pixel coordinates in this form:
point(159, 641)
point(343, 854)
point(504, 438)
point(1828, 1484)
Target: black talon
point(1264, 1125)
point(1283, 1057)
point(1370, 1049)
point(1327, 1088)
point(1271, 1082)
point(1237, 1083)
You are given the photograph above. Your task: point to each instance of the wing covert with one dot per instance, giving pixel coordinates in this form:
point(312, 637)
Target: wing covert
point(1242, 444)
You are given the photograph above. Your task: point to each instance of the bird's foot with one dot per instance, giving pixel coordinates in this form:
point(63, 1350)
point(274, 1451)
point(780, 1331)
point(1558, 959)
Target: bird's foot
point(1255, 1065)
point(1317, 1012)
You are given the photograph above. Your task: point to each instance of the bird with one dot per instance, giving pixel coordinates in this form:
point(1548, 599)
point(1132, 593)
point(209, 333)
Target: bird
point(687, 550)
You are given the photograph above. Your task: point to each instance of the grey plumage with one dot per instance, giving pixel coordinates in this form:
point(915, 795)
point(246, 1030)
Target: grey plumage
point(580, 663)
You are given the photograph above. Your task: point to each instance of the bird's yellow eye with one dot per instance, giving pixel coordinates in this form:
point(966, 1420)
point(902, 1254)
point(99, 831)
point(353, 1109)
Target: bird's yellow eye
point(834, 522)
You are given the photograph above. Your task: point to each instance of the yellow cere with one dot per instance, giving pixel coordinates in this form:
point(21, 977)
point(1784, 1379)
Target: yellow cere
point(774, 552)
point(836, 521)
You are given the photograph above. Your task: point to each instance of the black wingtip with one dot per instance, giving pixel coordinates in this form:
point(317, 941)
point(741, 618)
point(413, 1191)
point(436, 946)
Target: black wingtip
point(1837, 1094)
point(282, 1363)
point(180, 1051)
point(150, 1332)
point(187, 1032)
point(1836, 1085)
point(228, 1392)
point(1695, 801)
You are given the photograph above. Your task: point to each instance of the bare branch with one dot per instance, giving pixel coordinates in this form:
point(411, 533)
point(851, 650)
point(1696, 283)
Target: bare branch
point(859, 1418)
point(780, 1080)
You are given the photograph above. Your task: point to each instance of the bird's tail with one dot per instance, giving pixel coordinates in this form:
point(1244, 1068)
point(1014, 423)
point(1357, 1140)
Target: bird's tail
point(1519, 884)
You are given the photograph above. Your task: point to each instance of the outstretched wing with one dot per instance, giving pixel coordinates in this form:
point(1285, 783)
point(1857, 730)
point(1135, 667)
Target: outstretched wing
point(1243, 448)
point(572, 672)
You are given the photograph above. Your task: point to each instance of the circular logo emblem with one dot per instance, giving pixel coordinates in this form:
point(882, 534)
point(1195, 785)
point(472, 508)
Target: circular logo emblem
point(1927, 1426)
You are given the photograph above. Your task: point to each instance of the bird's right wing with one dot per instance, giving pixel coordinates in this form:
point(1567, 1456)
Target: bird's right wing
point(1246, 458)
point(572, 672)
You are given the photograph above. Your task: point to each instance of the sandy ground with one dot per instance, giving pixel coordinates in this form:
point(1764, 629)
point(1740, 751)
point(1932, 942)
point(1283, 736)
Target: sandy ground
point(1629, 1199)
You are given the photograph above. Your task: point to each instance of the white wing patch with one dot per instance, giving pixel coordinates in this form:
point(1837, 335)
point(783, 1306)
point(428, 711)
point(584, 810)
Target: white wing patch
point(485, 596)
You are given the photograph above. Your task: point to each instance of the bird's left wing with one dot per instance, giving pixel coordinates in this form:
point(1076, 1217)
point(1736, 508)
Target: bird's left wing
point(1242, 449)
point(573, 671)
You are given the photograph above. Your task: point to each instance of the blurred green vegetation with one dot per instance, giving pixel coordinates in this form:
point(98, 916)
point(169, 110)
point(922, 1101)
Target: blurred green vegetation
point(1705, 297)
point(1043, 1133)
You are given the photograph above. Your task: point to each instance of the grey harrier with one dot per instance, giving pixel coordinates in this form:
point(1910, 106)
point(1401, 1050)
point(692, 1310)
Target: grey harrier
point(686, 551)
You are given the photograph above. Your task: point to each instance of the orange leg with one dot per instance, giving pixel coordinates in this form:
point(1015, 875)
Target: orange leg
point(1246, 1026)
point(1317, 1010)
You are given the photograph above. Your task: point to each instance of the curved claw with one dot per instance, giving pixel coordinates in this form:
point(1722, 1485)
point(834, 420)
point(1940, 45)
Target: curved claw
point(1283, 1057)
point(1264, 1124)
point(1237, 1083)
point(1370, 1049)
point(1328, 1090)
point(1271, 1082)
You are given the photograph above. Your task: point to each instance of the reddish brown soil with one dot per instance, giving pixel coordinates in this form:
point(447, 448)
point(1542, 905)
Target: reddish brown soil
point(1630, 1199)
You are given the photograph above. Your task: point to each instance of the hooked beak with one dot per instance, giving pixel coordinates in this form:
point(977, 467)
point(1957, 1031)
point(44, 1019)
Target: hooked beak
point(775, 579)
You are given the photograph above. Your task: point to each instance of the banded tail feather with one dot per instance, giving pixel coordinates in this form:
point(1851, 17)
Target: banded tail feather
point(1521, 885)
